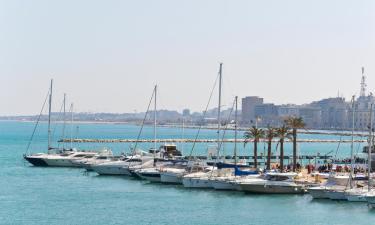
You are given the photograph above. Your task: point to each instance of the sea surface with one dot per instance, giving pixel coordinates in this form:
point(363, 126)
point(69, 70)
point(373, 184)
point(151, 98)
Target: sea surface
point(31, 195)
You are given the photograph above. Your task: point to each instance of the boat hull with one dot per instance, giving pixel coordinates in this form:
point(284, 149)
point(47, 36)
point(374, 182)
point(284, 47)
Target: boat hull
point(171, 178)
point(272, 189)
point(196, 183)
point(337, 195)
point(60, 162)
point(110, 170)
point(36, 161)
point(223, 185)
point(318, 193)
point(152, 177)
point(356, 198)
point(371, 201)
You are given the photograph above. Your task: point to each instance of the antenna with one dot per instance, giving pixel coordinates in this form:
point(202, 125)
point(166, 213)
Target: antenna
point(363, 83)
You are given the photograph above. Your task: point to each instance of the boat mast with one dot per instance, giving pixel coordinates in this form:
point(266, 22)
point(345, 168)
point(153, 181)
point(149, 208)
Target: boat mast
point(235, 134)
point(352, 144)
point(49, 116)
point(64, 124)
point(370, 148)
point(155, 92)
point(183, 134)
point(219, 109)
point(71, 127)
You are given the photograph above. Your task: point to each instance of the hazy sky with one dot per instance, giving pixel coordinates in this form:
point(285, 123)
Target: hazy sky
point(107, 55)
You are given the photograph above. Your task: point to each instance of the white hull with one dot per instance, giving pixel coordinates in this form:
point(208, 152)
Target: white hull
point(102, 169)
point(356, 198)
point(171, 178)
point(336, 195)
point(356, 195)
point(318, 193)
point(196, 182)
point(225, 185)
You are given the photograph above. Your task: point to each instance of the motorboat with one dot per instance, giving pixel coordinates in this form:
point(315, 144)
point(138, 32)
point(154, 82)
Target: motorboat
point(336, 192)
point(104, 155)
point(172, 175)
point(274, 183)
point(201, 179)
point(334, 182)
point(65, 159)
point(370, 198)
point(151, 174)
point(119, 167)
point(357, 194)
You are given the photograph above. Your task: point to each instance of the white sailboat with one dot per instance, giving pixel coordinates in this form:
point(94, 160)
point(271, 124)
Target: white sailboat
point(339, 192)
point(54, 156)
point(203, 179)
point(227, 179)
point(359, 194)
point(153, 173)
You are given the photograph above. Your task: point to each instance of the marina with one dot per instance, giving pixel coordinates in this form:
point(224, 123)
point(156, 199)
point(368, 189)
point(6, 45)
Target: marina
point(170, 112)
point(320, 176)
point(126, 196)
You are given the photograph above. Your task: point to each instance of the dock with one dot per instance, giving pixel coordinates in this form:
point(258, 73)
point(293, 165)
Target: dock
point(85, 140)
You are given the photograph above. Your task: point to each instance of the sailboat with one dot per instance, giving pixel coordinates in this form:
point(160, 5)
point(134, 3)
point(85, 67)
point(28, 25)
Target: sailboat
point(202, 179)
point(227, 179)
point(54, 156)
point(336, 186)
point(162, 157)
point(358, 194)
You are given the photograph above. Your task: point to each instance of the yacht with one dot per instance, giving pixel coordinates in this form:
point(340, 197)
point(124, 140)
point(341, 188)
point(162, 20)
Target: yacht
point(104, 155)
point(357, 194)
point(65, 159)
point(274, 183)
point(336, 193)
point(151, 174)
point(370, 198)
point(174, 174)
point(119, 167)
point(200, 179)
point(232, 181)
point(37, 159)
point(334, 182)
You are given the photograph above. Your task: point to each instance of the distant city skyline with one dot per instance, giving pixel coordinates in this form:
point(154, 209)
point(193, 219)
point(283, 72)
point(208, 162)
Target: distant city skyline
point(108, 55)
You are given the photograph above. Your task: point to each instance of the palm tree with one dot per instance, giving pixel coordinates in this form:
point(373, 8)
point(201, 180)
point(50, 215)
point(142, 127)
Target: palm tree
point(283, 133)
point(256, 134)
point(270, 134)
point(295, 123)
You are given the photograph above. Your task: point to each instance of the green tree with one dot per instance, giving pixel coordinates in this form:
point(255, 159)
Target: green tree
point(256, 134)
point(270, 135)
point(283, 133)
point(295, 123)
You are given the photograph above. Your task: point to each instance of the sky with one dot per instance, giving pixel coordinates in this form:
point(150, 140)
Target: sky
point(108, 55)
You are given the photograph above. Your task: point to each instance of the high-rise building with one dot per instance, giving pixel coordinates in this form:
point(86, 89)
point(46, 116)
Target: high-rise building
point(285, 111)
point(267, 114)
point(186, 112)
point(311, 116)
point(248, 108)
point(334, 112)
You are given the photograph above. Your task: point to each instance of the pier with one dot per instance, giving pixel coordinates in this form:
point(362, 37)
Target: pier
point(85, 140)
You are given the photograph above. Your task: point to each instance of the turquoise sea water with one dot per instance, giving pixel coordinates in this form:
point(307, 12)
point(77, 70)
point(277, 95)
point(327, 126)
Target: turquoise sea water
point(31, 195)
